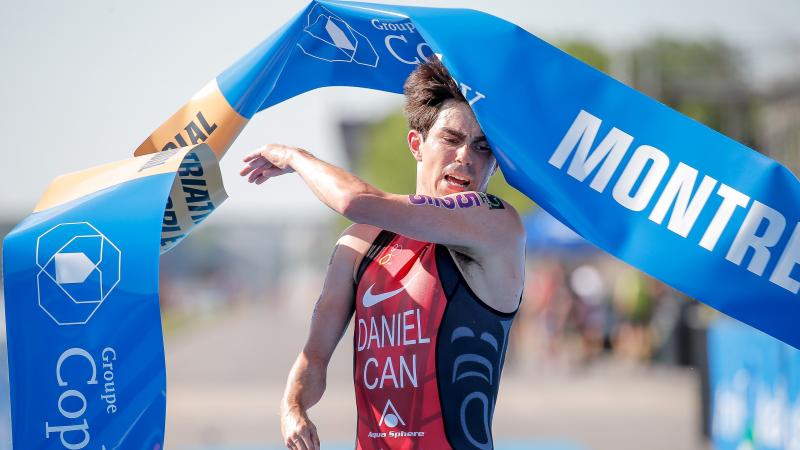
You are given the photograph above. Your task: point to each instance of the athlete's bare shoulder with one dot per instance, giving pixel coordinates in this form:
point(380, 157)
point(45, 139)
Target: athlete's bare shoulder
point(515, 229)
point(496, 273)
point(501, 234)
point(357, 238)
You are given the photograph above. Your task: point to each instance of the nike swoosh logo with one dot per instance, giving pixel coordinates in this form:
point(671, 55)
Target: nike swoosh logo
point(371, 299)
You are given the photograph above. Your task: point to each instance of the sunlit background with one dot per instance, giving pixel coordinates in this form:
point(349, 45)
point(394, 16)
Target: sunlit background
point(601, 356)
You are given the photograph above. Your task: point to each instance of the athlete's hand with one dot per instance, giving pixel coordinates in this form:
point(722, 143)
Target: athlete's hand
point(299, 433)
point(269, 161)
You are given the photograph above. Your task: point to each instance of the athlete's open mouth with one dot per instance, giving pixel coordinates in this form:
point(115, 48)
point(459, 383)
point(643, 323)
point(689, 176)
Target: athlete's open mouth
point(458, 181)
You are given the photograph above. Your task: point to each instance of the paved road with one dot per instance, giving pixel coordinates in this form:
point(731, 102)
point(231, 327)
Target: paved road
point(226, 376)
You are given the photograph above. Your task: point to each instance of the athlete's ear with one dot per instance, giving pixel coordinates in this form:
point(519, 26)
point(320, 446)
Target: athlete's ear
point(415, 143)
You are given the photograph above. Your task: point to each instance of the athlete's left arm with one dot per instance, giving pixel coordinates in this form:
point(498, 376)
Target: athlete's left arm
point(475, 222)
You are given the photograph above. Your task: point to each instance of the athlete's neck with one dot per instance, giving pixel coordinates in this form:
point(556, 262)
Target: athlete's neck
point(423, 190)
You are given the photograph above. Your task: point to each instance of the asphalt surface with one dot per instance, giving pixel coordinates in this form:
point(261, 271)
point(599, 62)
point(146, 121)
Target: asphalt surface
point(226, 375)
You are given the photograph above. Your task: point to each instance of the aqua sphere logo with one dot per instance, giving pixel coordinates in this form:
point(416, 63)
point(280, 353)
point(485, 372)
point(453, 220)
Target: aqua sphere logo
point(78, 268)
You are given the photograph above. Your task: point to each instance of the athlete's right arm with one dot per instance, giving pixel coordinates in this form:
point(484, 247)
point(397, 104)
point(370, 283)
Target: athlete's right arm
point(306, 382)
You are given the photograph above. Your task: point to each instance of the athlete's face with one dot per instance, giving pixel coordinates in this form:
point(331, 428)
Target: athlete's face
point(455, 156)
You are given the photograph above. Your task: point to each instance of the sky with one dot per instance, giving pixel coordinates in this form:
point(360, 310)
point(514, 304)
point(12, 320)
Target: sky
point(84, 82)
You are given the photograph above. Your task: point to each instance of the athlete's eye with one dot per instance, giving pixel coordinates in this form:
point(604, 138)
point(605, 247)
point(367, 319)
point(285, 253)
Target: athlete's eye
point(450, 139)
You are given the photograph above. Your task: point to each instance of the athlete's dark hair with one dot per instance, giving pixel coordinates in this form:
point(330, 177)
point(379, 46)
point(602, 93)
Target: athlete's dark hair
point(426, 89)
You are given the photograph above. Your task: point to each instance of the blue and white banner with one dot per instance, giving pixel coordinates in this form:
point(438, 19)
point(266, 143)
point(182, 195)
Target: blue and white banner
point(86, 354)
point(664, 193)
point(755, 389)
point(652, 187)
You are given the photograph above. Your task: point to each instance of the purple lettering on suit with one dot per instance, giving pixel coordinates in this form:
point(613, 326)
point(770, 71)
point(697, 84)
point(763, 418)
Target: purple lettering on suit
point(461, 200)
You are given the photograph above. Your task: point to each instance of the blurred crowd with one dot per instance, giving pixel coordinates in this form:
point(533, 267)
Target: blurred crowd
point(574, 312)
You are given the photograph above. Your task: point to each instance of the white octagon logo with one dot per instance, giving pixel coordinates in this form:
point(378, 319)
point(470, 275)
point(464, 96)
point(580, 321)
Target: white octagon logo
point(78, 268)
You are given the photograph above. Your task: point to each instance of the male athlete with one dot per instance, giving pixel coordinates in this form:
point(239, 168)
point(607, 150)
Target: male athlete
point(434, 280)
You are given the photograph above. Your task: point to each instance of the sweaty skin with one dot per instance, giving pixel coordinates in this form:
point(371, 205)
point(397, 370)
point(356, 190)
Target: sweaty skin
point(486, 241)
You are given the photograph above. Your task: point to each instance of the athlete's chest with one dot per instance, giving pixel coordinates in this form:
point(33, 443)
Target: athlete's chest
point(400, 305)
point(401, 279)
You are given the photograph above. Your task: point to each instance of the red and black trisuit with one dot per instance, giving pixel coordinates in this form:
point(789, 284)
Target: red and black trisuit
point(427, 351)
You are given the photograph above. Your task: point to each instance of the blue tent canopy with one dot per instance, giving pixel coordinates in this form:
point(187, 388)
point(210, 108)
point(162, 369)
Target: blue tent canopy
point(546, 234)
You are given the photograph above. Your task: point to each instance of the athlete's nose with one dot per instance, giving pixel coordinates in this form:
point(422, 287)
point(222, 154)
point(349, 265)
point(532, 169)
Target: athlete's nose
point(464, 155)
